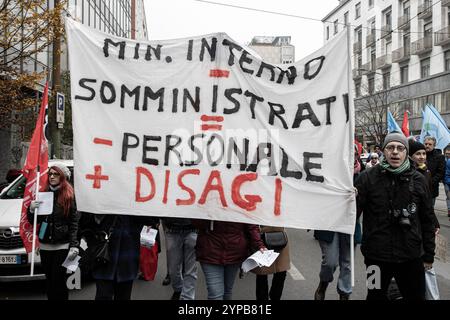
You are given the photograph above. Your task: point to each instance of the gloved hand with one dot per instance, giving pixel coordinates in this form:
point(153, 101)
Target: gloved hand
point(73, 252)
point(34, 204)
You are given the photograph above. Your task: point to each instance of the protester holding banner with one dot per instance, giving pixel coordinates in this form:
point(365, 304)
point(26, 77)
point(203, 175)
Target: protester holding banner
point(278, 269)
point(335, 248)
point(57, 232)
point(181, 237)
point(114, 279)
point(398, 239)
point(221, 249)
point(436, 164)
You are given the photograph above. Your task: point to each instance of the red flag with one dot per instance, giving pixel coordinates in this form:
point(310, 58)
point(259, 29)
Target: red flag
point(405, 124)
point(359, 146)
point(37, 159)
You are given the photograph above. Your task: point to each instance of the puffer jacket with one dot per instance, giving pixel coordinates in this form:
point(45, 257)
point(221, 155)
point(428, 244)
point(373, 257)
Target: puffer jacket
point(436, 165)
point(384, 238)
point(225, 243)
point(60, 228)
point(447, 172)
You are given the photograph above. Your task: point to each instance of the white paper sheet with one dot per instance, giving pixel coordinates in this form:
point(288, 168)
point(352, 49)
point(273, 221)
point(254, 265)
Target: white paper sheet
point(71, 265)
point(148, 236)
point(46, 207)
point(260, 259)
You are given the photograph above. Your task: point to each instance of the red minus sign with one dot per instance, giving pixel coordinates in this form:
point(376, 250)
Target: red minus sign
point(103, 141)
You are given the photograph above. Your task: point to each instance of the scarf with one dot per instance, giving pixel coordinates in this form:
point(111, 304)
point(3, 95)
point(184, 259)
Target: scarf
point(54, 188)
point(385, 165)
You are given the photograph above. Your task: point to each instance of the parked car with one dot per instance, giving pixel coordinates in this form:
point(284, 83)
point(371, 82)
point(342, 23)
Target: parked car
point(15, 263)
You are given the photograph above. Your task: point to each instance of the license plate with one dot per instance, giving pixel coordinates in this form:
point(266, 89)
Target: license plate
point(12, 259)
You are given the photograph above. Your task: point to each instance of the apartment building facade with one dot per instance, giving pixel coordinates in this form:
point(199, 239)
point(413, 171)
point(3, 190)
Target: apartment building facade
point(274, 49)
point(123, 18)
point(401, 50)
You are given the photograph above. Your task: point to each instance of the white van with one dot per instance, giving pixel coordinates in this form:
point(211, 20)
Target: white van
point(15, 263)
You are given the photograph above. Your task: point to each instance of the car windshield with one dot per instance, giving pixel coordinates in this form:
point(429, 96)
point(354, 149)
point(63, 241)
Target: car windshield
point(16, 191)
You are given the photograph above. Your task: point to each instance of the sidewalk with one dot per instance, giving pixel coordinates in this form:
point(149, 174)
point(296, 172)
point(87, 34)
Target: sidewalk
point(440, 208)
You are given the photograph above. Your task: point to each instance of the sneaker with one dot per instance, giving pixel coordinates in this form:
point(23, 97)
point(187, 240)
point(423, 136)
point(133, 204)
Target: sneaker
point(176, 295)
point(344, 296)
point(166, 280)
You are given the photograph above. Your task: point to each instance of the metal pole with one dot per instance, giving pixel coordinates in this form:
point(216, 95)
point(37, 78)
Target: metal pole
point(350, 101)
point(33, 248)
point(56, 87)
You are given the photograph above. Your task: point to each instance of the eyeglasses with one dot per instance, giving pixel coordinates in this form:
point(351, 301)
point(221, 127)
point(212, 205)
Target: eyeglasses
point(392, 148)
point(56, 174)
point(376, 158)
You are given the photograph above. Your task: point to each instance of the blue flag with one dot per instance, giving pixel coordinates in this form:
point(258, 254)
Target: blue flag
point(392, 124)
point(433, 125)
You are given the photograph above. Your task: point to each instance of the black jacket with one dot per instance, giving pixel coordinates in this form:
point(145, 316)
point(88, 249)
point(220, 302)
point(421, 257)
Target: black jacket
point(427, 175)
point(177, 224)
point(436, 165)
point(60, 228)
point(384, 238)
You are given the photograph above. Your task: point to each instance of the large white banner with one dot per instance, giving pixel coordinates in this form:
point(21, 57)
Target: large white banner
point(201, 128)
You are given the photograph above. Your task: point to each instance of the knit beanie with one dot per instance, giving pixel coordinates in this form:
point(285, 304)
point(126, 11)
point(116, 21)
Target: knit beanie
point(396, 136)
point(415, 146)
point(63, 168)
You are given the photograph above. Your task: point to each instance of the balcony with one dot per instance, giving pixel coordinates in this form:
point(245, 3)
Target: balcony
point(425, 10)
point(370, 39)
point(445, 3)
point(386, 31)
point(401, 54)
point(442, 37)
point(384, 62)
point(357, 47)
point(356, 73)
point(367, 68)
point(422, 46)
point(403, 22)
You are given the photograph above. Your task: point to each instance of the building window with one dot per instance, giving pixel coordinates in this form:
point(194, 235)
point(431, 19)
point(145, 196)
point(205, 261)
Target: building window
point(425, 67)
point(404, 74)
point(371, 3)
point(328, 33)
point(406, 8)
point(388, 47)
point(358, 10)
point(428, 30)
point(335, 26)
point(388, 19)
point(371, 84)
point(346, 18)
point(386, 80)
point(358, 89)
point(373, 57)
point(447, 60)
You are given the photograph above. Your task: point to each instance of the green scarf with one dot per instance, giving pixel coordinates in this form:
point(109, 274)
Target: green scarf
point(385, 165)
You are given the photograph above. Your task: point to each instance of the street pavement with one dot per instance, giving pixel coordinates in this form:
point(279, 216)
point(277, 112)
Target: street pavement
point(300, 284)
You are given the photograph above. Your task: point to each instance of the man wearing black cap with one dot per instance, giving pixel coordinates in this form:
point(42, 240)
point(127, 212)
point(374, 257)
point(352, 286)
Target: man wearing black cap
point(398, 237)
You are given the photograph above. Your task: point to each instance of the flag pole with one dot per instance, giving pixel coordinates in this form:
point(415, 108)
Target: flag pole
point(350, 99)
point(38, 177)
point(38, 182)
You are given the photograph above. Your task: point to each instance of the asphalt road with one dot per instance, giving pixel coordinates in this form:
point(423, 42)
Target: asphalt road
point(300, 284)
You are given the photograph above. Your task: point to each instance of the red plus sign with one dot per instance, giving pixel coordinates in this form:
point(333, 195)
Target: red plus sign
point(97, 177)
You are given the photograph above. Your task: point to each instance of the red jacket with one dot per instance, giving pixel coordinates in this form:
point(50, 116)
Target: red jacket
point(227, 242)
